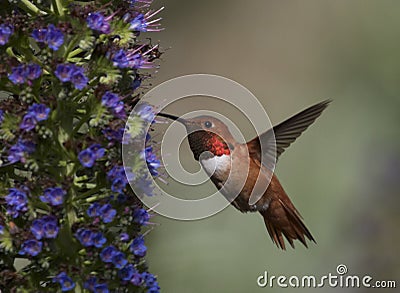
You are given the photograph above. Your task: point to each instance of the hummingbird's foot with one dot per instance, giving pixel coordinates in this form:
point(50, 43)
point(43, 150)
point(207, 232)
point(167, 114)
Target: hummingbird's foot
point(253, 208)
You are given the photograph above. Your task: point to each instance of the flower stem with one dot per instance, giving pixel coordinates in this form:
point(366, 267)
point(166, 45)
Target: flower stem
point(59, 7)
point(83, 120)
point(32, 7)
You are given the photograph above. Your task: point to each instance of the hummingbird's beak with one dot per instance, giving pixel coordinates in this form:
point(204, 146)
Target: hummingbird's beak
point(172, 117)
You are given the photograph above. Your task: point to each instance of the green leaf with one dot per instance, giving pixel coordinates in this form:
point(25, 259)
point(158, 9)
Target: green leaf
point(126, 36)
point(62, 135)
point(135, 126)
point(9, 124)
point(6, 241)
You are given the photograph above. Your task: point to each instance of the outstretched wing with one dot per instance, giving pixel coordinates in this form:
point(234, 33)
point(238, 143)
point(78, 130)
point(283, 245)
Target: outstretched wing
point(286, 132)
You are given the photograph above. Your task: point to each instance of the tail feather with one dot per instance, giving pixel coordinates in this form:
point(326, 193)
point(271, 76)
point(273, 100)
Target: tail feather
point(283, 220)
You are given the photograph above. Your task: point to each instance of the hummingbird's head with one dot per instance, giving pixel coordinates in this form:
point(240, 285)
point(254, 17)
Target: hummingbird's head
point(206, 134)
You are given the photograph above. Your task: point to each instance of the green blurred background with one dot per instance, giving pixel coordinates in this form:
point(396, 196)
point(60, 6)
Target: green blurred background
point(343, 174)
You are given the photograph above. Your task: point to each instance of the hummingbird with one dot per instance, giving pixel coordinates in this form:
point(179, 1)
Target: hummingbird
point(225, 161)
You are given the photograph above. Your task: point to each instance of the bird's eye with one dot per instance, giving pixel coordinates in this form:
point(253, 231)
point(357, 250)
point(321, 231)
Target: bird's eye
point(207, 124)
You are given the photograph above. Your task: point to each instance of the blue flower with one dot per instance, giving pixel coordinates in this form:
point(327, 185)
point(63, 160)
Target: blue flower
point(118, 185)
point(66, 282)
point(154, 289)
point(151, 282)
point(53, 195)
point(98, 239)
point(69, 72)
point(64, 72)
point(141, 216)
point(31, 247)
point(87, 158)
point(1, 229)
point(137, 247)
point(33, 71)
point(79, 79)
point(137, 279)
point(17, 152)
point(152, 162)
point(6, 31)
point(28, 122)
point(37, 229)
point(90, 283)
point(124, 237)
point(108, 253)
point(146, 112)
point(17, 202)
point(112, 101)
point(109, 99)
point(119, 260)
point(136, 83)
point(54, 37)
point(94, 210)
point(127, 272)
point(18, 74)
point(118, 176)
point(96, 21)
point(39, 35)
point(139, 23)
point(107, 213)
point(1, 116)
point(45, 227)
point(142, 23)
point(120, 59)
point(97, 150)
point(112, 134)
point(50, 229)
point(101, 288)
point(85, 237)
point(39, 111)
point(137, 61)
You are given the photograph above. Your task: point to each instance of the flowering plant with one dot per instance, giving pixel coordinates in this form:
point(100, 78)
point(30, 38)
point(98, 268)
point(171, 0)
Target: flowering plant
point(71, 70)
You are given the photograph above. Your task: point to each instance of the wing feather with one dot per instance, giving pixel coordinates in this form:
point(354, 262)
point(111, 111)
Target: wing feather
point(286, 132)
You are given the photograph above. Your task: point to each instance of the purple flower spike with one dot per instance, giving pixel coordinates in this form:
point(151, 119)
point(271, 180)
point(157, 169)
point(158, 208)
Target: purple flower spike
point(144, 23)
